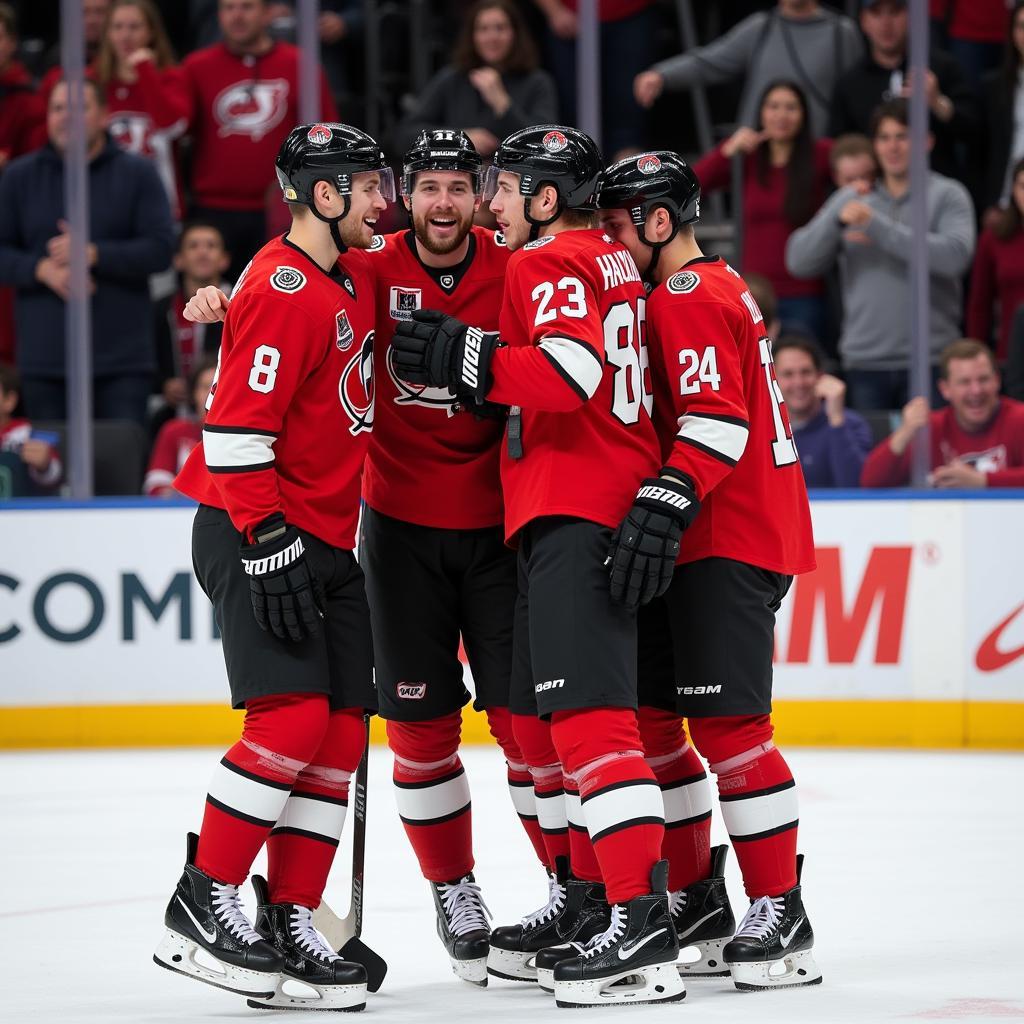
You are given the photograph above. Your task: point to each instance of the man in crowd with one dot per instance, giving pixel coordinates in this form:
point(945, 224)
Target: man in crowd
point(976, 441)
point(873, 236)
point(131, 237)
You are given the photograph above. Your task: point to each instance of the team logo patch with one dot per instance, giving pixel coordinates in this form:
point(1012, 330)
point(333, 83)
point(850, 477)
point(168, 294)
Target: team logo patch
point(349, 286)
point(411, 691)
point(499, 238)
point(683, 283)
point(253, 108)
point(404, 301)
point(447, 280)
point(319, 135)
point(554, 142)
point(537, 243)
point(345, 333)
point(356, 389)
point(378, 243)
point(287, 280)
point(419, 394)
point(648, 164)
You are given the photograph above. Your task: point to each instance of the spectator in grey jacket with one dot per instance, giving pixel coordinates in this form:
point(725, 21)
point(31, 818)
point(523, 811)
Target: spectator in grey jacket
point(870, 237)
point(493, 86)
point(797, 40)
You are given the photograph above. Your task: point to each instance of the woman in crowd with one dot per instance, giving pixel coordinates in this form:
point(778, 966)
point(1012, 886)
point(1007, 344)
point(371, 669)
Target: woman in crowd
point(786, 177)
point(1003, 91)
point(135, 67)
point(998, 275)
point(492, 87)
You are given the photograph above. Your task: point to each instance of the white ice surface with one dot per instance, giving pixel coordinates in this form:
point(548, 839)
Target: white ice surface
point(912, 883)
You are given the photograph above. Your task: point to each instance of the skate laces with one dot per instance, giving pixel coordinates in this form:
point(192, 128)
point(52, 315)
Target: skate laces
point(677, 902)
point(599, 943)
point(764, 915)
point(464, 907)
point(556, 900)
point(227, 908)
point(307, 937)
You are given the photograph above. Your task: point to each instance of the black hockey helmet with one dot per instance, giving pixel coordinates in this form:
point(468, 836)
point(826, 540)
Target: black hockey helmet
point(549, 154)
point(441, 149)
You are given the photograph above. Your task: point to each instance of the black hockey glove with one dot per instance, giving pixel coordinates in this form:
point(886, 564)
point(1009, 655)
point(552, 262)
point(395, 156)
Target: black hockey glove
point(286, 596)
point(436, 349)
point(643, 553)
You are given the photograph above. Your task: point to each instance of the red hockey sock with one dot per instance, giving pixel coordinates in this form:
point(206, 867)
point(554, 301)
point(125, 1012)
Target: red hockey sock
point(758, 798)
point(600, 748)
point(433, 795)
point(520, 782)
point(302, 846)
point(687, 795)
point(581, 850)
point(534, 739)
point(251, 784)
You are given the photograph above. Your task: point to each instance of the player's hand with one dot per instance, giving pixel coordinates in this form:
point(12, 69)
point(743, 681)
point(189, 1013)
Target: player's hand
point(647, 87)
point(958, 474)
point(644, 547)
point(286, 595)
point(438, 350)
point(209, 305)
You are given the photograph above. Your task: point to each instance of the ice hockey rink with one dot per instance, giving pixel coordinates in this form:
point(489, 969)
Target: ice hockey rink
point(912, 884)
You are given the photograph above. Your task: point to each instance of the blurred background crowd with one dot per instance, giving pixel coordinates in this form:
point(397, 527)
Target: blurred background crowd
point(794, 115)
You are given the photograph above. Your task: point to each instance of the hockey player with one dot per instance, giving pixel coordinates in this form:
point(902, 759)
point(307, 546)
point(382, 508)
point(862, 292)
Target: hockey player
point(706, 649)
point(570, 362)
point(277, 477)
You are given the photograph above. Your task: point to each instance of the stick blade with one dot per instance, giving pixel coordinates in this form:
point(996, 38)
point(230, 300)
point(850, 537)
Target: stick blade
point(356, 951)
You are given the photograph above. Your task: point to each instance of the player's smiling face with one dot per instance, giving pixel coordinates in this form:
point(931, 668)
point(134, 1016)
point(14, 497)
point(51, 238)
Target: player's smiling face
point(442, 205)
point(619, 225)
point(367, 204)
point(508, 209)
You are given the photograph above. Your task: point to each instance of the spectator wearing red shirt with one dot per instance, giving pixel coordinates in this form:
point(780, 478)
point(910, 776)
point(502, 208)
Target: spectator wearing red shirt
point(144, 90)
point(28, 463)
point(976, 441)
point(243, 99)
point(94, 17)
point(786, 177)
point(972, 31)
point(997, 280)
point(179, 436)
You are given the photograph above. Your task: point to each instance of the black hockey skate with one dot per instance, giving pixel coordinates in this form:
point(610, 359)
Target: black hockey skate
point(575, 912)
point(634, 961)
point(772, 948)
point(209, 938)
point(704, 921)
point(314, 977)
point(462, 927)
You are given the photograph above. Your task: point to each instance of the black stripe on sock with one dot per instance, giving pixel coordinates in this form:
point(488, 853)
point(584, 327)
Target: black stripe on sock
point(431, 782)
point(619, 826)
point(253, 777)
point(688, 821)
point(619, 785)
point(780, 788)
point(554, 831)
point(241, 815)
point(435, 821)
point(679, 783)
point(765, 835)
point(338, 801)
point(287, 830)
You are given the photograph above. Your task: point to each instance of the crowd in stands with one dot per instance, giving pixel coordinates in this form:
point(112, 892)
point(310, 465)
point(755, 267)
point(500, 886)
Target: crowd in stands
point(188, 102)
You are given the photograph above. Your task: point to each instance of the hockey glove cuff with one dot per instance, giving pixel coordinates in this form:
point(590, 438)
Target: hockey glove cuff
point(644, 548)
point(286, 594)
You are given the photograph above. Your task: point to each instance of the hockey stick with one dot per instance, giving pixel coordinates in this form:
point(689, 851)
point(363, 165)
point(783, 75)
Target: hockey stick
point(343, 933)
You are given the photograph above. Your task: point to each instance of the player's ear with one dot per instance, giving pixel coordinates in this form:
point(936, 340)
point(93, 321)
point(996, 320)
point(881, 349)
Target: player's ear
point(548, 197)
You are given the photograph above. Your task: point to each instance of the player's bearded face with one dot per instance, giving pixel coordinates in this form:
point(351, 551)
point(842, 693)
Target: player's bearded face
point(442, 206)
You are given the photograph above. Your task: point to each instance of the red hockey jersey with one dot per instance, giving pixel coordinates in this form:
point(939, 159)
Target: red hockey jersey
point(291, 409)
point(722, 420)
point(171, 450)
point(426, 464)
point(575, 362)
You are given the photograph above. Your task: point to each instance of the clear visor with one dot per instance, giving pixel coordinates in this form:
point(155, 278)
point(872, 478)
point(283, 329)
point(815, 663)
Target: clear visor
point(491, 182)
point(386, 186)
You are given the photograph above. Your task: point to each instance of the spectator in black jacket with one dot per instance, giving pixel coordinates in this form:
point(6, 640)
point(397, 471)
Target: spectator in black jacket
point(131, 237)
point(1003, 93)
point(493, 86)
point(882, 75)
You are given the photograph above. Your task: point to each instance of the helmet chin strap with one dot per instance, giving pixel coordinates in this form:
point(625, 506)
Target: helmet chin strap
point(536, 225)
point(655, 247)
point(332, 222)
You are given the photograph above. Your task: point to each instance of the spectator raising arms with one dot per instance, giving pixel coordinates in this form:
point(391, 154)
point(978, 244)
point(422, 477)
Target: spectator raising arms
point(798, 39)
point(785, 179)
point(997, 280)
point(144, 90)
point(976, 441)
point(833, 441)
point(493, 85)
point(1003, 92)
point(29, 463)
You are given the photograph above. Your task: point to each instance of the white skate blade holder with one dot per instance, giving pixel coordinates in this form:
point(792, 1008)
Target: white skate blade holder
point(790, 971)
point(703, 959)
point(546, 980)
point(472, 971)
point(178, 953)
point(512, 965)
point(293, 994)
point(659, 984)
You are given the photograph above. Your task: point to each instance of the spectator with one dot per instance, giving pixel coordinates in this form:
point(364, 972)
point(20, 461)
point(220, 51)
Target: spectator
point(94, 18)
point(493, 85)
point(29, 462)
point(976, 441)
point(131, 237)
point(882, 75)
point(833, 441)
point(243, 96)
point(627, 32)
point(1003, 92)
point(21, 109)
point(972, 31)
point(870, 237)
point(785, 179)
point(853, 163)
point(1015, 357)
point(179, 436)
point(144, 90)
point(797, 39)
point(764, 295)
point(201, 260)
point(997, 280)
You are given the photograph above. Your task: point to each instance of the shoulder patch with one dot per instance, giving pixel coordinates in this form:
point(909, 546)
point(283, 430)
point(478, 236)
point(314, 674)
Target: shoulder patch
point(378, 243)
point(538, 242)
point(499, 239)
point(683, 283)
point(287, 280)
point(608, 239)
